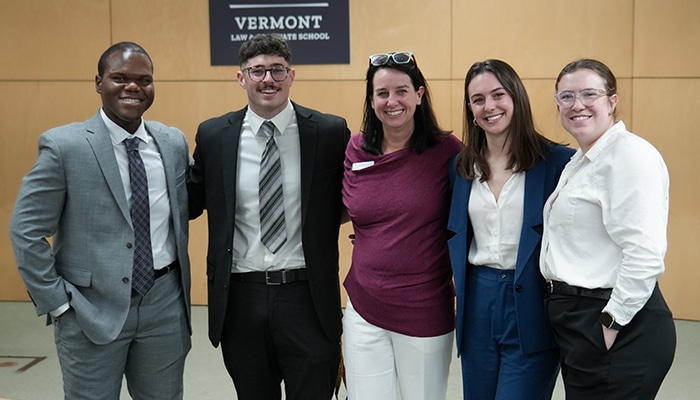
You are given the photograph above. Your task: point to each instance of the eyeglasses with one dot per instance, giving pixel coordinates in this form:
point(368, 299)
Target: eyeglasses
point(399, 57)
point(257, 73)
point(588, 97)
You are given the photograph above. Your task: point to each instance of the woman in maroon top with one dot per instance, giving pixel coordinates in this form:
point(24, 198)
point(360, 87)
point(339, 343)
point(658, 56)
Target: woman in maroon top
point(399, 319)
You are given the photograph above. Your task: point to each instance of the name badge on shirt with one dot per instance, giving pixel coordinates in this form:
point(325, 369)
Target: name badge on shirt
point(362, 165)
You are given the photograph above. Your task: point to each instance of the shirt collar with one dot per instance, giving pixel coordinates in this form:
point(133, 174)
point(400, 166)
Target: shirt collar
point(280, 120)
point(119, 134)
point(603, 141)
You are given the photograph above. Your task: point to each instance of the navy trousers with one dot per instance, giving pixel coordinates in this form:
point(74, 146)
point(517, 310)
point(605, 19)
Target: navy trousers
point(493, 365)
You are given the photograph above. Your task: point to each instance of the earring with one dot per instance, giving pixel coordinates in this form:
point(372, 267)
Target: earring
point(475, 123)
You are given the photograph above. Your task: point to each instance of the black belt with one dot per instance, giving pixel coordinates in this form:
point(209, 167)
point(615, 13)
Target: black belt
point(271, 277)
point(159, 273)
point(556, 287)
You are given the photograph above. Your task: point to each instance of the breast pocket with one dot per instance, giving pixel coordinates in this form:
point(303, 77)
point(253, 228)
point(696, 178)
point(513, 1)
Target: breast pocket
point(560, 210)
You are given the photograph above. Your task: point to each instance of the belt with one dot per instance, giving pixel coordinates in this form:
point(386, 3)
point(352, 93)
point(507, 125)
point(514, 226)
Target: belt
point(159, 273)
point(271, 278)
point(556, 287)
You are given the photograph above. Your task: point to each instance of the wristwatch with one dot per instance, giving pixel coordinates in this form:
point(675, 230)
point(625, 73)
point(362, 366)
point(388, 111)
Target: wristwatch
point(608, 321)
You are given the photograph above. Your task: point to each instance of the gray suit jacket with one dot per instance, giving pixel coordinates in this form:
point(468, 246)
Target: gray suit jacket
point(74, 195)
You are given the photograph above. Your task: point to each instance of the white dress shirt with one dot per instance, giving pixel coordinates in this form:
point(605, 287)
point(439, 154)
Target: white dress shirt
point(496, 224)
point(162, 235)
point(249, 253)
point(605, 223)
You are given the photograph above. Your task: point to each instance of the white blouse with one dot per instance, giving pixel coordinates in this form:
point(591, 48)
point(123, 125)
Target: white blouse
point(496, 224)
point(605, 223)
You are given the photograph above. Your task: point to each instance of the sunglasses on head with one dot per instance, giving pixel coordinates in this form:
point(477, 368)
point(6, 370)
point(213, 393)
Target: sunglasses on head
point(399, 57)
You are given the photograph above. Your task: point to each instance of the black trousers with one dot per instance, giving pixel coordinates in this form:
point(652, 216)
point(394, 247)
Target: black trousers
point(272, 334)
point(635, 365)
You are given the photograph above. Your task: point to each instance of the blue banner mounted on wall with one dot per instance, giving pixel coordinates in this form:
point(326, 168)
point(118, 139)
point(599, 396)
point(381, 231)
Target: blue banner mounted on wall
point(317, 32)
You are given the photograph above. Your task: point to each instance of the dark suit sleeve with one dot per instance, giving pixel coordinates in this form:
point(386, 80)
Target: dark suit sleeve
point(195, 179)
point(321, 216)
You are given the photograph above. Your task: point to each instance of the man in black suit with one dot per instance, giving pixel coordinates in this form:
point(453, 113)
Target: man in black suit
point(274, 305)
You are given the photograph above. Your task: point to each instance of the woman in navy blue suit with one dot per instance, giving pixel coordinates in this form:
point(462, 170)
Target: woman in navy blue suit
point(500, 183)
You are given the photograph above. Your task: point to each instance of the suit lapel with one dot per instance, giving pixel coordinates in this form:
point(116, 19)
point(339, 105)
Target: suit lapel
point(531, 232)
point(101, 143)
point(459, 217)
point(167, 155)
point(228, 154)
point(308, 136)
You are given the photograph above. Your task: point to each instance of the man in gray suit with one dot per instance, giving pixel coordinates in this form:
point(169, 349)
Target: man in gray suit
point(118, 299)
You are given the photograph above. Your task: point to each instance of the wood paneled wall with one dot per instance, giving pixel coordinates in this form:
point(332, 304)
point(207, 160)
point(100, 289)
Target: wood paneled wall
point(50, 50)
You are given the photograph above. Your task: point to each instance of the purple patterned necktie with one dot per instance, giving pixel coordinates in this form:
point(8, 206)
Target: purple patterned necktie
point(143, 277)
point(273, 229)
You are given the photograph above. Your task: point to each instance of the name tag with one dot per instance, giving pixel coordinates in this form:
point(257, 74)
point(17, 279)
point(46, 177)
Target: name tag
point(362, 165)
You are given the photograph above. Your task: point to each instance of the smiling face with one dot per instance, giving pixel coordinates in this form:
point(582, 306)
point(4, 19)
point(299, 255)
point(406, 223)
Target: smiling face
point(394, 100)
point(266, 98)
point(491, 105)
point(586, 123)
point(126, 88)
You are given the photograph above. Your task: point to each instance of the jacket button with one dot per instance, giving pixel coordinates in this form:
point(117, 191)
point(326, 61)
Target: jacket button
point(125, 280)
point(128, 245)
point(518, 288)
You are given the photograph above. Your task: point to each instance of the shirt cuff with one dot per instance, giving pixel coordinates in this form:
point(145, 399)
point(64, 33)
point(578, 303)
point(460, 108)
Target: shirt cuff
point(60, 310)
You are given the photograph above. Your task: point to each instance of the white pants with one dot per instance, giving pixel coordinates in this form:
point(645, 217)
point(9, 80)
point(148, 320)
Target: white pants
point(378, 361)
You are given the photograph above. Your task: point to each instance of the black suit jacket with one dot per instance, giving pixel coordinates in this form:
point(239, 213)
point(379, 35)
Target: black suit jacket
point(212, 186)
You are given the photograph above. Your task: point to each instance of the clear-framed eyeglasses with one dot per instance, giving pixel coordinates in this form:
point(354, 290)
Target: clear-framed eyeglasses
point(588, 97)
point(399, 57)
point(257, 73)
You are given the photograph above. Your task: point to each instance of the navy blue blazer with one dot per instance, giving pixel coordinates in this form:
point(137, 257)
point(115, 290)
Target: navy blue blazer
point(529, 286)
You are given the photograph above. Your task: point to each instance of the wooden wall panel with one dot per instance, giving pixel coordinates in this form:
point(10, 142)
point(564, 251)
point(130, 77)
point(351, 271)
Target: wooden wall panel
point(385, 26)
point(659, 109)
point(42, 40)
point(174, 32)
point(343, 98)
point(667, 38)
point(185, 104)
point(542, 36)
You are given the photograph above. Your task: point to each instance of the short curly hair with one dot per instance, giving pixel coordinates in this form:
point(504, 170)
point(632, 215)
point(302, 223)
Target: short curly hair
point(268, 44)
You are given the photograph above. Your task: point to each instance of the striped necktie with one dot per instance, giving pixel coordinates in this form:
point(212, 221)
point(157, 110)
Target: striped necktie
point(273, 230)
point(143, 275)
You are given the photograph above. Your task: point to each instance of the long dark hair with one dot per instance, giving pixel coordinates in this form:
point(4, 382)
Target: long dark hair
point(426, 133)
point(527, 146)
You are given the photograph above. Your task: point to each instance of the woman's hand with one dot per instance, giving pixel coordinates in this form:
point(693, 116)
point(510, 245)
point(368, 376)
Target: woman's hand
point(609, 335)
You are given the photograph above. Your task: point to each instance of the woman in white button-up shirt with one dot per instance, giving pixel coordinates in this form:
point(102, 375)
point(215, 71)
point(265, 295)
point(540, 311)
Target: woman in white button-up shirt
point(603, 247)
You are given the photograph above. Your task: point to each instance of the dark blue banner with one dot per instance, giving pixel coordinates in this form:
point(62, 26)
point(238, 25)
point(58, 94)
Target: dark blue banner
point(317, 32)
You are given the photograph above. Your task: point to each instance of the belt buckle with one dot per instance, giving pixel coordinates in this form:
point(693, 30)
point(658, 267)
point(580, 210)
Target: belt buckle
point(550, 286)
point(268, 276)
